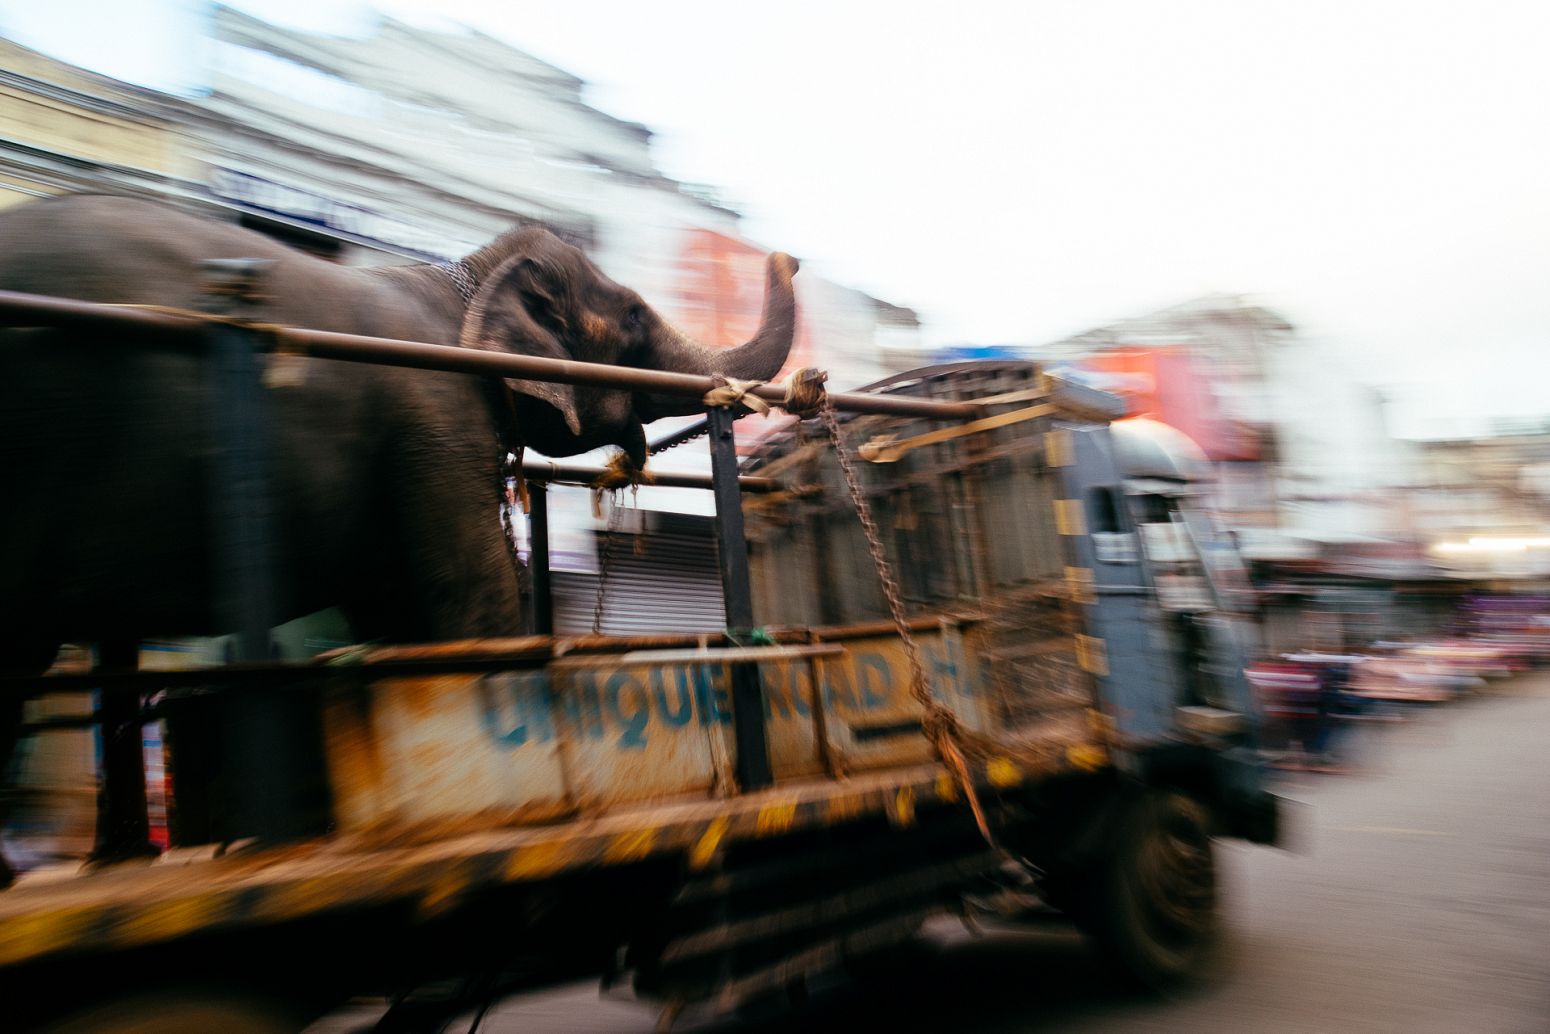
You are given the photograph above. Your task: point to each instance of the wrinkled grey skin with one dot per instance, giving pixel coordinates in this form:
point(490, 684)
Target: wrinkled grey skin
point(384, 480)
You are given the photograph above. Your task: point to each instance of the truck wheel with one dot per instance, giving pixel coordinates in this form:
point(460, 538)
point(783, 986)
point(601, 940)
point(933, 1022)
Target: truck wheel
point(187, 1012)
point(1154, 910)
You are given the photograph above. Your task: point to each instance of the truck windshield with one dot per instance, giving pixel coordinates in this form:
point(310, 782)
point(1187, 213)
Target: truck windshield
point(1112, 543)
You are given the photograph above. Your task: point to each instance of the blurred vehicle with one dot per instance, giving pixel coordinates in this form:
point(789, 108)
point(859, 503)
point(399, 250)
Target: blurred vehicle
point(1409, 674)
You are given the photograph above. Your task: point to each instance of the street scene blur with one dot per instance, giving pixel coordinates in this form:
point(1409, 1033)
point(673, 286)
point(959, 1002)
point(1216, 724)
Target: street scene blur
point(874, 518)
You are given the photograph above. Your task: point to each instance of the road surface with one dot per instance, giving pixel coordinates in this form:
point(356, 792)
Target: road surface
point(1418, 901)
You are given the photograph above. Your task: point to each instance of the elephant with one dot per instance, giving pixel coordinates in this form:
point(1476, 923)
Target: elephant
point(383, 480)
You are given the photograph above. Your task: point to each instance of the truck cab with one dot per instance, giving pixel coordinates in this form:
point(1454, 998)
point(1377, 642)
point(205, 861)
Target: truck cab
point(1169, 584)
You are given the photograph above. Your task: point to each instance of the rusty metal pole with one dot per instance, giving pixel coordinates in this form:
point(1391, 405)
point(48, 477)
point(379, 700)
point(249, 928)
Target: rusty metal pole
point(123, 827)
point(538, 557)
point(171, 329)
point(251, 726)
point(753, 752)
point(240, 497)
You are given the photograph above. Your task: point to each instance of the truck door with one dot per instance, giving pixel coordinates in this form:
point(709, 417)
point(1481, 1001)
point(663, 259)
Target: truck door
point(1121, 648)
point(1234, 635)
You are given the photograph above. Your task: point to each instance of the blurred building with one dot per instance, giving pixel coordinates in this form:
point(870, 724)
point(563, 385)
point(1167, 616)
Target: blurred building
point(406, 144)
point(1208, 367)
point(1482, 506)
point(68, 129)
point(409, 144)
point(1324, 500)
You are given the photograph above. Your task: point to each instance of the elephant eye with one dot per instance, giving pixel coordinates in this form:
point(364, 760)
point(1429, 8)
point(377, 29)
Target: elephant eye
point(635, 318)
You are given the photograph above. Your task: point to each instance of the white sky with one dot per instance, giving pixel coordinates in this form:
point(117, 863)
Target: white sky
point(1380, 172)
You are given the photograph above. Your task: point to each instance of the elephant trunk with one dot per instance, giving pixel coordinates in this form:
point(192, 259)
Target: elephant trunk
point(759, 359)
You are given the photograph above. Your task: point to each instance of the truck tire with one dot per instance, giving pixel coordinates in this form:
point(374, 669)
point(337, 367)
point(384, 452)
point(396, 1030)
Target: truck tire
point(1153, 906)
point(180, 1012)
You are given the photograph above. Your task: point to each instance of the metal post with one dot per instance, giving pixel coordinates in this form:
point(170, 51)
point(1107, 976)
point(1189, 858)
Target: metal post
point(123, 828)
point(753, 755)
point(253, 734)
point(239, 485)
point(538, 557)
point(173, 330)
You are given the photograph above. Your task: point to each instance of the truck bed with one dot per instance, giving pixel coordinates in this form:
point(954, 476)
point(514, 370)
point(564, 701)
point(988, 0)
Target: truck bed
point(417, 828)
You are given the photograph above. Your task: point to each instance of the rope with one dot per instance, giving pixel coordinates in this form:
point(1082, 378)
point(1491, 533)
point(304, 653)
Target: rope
point(621, 473)
point(729, 392)
point(756, 636)
point(281, 370)
point(805, 394)
point(273, 329)
point(802, 393)
point(938, 722)
point(511, 467)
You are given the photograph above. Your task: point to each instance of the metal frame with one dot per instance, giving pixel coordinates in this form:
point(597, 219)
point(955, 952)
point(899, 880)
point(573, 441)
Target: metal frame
point(753, 751)
point(245, 577)
point(27, 310)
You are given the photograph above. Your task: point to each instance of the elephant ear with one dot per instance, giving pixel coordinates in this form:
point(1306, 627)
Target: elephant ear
point(524, 307)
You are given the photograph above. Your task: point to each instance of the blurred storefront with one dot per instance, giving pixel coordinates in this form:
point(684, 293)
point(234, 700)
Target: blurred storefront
point(1482, 505)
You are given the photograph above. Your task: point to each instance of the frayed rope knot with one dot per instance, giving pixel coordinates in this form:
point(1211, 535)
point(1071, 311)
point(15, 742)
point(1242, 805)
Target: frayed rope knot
point(942, 729)
point(515, 480)
point(621, 473)
point(805, 392)
point(729, 392)
point(802, 393)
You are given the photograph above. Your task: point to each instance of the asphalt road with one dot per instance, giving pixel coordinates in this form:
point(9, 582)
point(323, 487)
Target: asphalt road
point(1417, 901)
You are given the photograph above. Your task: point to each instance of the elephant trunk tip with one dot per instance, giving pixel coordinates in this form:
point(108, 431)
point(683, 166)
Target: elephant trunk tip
point(759, 358)
point(782, 266)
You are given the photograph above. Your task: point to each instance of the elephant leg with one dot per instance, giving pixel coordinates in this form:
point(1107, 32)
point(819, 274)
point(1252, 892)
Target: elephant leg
point(24, 660)
point(472, 593)
point(458, 575)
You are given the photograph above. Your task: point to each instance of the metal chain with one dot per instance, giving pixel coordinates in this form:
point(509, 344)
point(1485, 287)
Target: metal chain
point(606, 562)
point(696, 436)
point(463, 279)
point(938, 722)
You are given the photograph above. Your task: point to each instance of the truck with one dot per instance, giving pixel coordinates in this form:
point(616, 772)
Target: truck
point(984, 656)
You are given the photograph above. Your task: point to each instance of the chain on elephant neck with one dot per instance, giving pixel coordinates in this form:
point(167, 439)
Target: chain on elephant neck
point(463, 279)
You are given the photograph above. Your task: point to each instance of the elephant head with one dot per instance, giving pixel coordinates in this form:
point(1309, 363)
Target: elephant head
point(543, 297)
